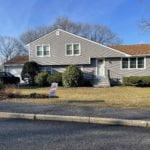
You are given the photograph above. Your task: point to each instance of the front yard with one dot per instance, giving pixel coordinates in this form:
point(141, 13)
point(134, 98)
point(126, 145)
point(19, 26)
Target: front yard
point(124, 97)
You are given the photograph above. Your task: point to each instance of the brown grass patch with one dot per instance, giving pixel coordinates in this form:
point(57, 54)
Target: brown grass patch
point(126, 97)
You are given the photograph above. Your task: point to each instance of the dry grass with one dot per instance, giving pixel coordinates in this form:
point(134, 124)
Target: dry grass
point(125, 97)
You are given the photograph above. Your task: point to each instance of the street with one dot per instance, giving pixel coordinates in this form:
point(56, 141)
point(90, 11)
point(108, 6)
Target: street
point(47, 135)
point(72, 110)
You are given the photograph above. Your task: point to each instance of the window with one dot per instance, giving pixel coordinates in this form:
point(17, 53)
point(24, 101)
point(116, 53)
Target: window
point(141, 62)
point(39, 51)
point(76, 49)
point(133, 63)
point(73, 49)
point(43, 50)
point(69, 49)
point(46, 50)
point(125, 63)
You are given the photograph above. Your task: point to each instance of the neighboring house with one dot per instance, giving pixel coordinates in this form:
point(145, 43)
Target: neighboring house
point(15, 65)
point(100, 64)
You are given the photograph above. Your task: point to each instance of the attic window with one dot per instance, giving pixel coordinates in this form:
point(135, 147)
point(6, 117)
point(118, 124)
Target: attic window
point(39, 51)
point(73, 49)
point(43, 50)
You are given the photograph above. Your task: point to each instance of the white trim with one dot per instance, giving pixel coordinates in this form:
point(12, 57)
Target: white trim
point(37, 50)
point(42, 36)
point(66, 49)
point(42, 45)
point(79, 49)
point(95, 42)
point(28, 48)
point(72, 44)
point(104, 61)
point(83, 39)
point(48, 45)
point(129, 68)
point(13, 65)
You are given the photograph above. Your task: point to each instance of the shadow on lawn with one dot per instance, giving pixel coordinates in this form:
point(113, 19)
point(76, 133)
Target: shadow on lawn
point(86, 101)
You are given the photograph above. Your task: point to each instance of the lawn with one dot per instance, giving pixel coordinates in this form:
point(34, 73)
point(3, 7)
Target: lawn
point(125, 97)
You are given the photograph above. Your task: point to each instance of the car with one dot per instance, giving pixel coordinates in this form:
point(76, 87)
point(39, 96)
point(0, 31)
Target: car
point(8, 78)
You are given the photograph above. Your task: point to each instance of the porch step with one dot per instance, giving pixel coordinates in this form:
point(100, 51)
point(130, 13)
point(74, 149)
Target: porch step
point(102, 82)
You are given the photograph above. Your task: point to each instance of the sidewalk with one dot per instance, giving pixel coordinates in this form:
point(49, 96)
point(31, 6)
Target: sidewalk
point(71, 110)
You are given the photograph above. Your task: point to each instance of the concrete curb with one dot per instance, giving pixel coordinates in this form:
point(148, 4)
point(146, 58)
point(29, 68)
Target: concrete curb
point(79, 119)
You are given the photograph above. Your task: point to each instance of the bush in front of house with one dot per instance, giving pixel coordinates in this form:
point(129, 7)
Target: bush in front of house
point(55, 77)
point(29, 71)
point(137, 80)
point(72, 77)
point(1, 85)
point(41, 79)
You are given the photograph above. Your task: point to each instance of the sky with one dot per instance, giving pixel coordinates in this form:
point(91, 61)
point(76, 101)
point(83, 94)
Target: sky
point(121, 16)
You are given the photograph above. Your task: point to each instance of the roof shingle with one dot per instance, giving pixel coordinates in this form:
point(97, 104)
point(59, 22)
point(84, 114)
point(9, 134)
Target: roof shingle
point(18, 60)
point(137, 49)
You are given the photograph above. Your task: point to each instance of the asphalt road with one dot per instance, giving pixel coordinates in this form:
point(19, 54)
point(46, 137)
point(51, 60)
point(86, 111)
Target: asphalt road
point(46, 135)
point(76, 110)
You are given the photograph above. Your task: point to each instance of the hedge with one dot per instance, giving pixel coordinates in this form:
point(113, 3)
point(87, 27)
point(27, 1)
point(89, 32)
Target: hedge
point(137, 80)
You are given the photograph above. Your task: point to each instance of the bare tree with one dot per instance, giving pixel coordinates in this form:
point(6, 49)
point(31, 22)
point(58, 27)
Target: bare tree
point(98, 33)
point(145, 24)
point(10, 47)
point(102, 34)
point(34, 34)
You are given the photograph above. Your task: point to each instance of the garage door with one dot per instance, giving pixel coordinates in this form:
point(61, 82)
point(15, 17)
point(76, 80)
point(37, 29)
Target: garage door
point(15, 70)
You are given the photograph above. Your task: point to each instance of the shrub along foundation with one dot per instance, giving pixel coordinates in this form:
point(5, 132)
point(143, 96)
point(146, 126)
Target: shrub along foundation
point(32, 95)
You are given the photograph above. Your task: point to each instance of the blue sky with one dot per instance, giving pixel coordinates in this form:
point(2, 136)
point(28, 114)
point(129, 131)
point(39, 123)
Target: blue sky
point(122, 16)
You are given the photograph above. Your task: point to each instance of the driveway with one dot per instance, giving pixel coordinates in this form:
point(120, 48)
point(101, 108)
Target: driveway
point(76, 110)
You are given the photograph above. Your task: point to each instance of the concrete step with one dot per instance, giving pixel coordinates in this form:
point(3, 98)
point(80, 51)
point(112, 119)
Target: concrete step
point(102, 82)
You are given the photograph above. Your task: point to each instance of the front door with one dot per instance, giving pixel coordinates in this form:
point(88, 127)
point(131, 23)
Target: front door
point(100, 67)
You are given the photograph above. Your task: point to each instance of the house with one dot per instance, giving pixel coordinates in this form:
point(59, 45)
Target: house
point(15, 65)
point(100, 64)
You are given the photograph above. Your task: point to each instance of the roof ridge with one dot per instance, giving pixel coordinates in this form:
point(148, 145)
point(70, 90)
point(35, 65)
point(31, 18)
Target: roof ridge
point(130, 44)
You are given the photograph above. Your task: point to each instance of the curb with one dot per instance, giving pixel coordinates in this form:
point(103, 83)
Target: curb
point(79, 119)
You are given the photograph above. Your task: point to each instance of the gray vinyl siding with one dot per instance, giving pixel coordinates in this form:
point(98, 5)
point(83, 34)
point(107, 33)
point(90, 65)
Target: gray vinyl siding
point(57, 46)
point(89, 70)
point(116, 71)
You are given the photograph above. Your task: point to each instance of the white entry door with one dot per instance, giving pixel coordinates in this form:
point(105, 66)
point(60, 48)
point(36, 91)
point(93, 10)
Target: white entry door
point(100, 67)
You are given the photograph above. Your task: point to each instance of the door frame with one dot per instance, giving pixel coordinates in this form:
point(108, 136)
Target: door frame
point(98, 67)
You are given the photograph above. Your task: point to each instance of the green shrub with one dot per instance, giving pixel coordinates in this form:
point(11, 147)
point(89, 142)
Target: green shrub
point(137, 80)
point(29, 71)
point(41, 79)
point(1, 85)
point(72, 77)
point(55, 77)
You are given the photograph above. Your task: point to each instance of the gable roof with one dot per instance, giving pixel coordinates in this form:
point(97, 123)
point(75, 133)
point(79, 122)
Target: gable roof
point(136, 49)
point(17, 60)
point(108, 47)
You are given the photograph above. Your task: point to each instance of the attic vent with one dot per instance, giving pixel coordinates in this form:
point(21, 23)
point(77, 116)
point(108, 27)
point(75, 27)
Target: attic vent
point(57, 33)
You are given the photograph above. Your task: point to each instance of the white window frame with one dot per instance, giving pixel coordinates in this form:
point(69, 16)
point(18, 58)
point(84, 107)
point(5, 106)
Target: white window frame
point(72, 45)
point(144, 63)
point(37, 51)
point(121, 66)
point(42, 45)
point(129, 59)
point(129, 68)
point(66, 49)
